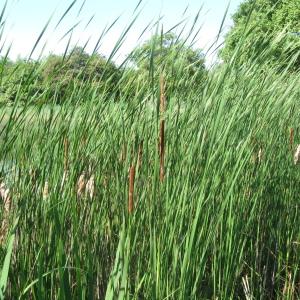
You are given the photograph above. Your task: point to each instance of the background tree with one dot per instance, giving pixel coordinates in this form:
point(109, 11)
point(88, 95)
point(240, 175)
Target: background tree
point(78, 69)
point(168, 54)
point(20, 81)
point(271, 25)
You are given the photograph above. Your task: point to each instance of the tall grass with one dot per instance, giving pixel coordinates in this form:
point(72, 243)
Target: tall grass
point(222, 224)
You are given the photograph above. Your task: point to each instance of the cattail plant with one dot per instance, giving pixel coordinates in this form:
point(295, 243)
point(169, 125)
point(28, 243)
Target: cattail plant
point(90, 186)
point(162, 95)
point(246, 287)
point(81, 185)
point(66, 154)
point(66, 162)
point(46, 190)
point(5, 197)
point(123, 153)
point(140, 153)
point(162, 129)
point(289, 287)
point(260, 155)
point(161, 149)
point(131, 189)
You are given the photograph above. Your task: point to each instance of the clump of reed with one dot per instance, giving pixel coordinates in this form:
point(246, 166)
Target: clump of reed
point(178, 213)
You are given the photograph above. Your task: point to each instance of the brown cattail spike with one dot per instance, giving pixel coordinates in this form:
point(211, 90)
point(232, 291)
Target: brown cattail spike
point(131, 189)
point(291, 138)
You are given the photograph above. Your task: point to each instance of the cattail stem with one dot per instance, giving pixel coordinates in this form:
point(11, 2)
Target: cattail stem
point(162, 95)
point(162, 150)
point(123, 153)
point(140, 154)
point(66, 154)
point(5, 197)
point(162, 128)
point(131, 189)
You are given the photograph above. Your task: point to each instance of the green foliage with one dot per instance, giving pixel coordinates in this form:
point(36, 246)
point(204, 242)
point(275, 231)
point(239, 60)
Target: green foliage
point(62, 74)
point(57, 77)
point(265, 24)
point(20, 81)
point(224, 223)
point(167, 54)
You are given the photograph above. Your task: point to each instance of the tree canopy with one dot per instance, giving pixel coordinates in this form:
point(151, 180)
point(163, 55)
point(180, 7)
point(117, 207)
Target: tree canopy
point(168, 54)
point(56, 77)
point(272, 24)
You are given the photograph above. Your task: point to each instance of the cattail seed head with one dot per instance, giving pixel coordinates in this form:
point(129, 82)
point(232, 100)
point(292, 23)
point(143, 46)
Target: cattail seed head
point(162, 95)
point(46, 190)
point(260, 155)
point(5, 196)
point(90, 186)
point(81, 185)
point(131, 189)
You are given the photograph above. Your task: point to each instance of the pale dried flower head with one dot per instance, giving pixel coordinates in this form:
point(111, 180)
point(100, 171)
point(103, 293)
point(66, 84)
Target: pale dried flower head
point(4, 195)
point(64, 179)
point(260, 155)
point(90, 186)
point(46, 190)
point(297, 155)
point(81, 185)
point(246, 287)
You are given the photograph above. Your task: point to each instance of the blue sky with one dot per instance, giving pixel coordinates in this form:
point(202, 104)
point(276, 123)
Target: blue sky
point(25, 20)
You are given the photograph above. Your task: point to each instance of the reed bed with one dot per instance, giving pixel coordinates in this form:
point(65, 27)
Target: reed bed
point(97, 212)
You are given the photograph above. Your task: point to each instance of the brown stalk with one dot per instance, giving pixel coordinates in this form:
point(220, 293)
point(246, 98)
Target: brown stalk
point(162, 95)
point(291, 138)
point(131, 189)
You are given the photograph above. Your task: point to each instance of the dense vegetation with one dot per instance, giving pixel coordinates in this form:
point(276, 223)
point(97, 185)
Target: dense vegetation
point(55, 78)
point(156, 179)
point(266, 24)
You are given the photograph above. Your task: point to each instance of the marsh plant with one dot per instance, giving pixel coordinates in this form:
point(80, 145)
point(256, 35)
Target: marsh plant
point(155, 187)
